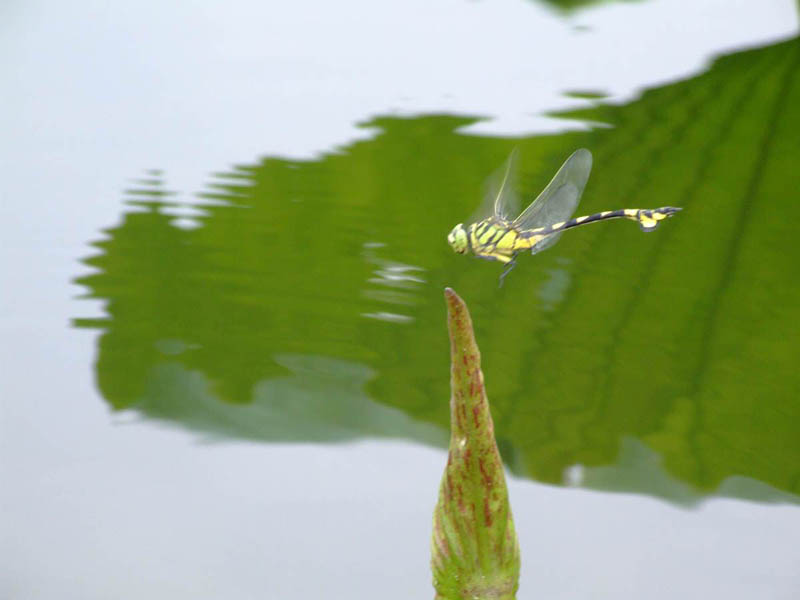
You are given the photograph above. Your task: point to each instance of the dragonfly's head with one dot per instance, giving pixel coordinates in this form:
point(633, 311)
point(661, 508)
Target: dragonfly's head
point(458, 239)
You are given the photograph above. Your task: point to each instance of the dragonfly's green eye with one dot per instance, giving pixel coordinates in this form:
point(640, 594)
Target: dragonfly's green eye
point(458, 239)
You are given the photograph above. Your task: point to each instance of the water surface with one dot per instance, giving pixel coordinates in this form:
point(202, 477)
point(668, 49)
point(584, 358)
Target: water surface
point(255, 398)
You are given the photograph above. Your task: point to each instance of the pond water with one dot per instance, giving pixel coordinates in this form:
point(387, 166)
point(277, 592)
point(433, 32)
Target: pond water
point(225, 369)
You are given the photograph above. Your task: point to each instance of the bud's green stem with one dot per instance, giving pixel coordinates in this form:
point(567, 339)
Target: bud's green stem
point(475, 554)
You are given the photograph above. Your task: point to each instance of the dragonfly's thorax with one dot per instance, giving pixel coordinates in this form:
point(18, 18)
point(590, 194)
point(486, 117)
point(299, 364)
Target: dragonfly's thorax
point(458, 239)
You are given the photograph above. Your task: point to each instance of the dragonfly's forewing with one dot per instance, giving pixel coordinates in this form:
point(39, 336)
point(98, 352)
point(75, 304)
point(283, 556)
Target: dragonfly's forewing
point(560, 198)
point(500, 198)
point(565, 196)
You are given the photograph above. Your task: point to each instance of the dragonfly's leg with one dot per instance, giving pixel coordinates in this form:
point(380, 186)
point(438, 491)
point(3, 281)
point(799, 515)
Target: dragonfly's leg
point(511, 264)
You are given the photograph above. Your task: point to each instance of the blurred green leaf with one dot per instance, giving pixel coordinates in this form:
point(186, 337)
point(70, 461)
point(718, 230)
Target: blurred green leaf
point(684, 339)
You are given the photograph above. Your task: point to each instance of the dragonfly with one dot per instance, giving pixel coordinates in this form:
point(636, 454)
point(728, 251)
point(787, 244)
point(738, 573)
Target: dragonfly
point(502, 236)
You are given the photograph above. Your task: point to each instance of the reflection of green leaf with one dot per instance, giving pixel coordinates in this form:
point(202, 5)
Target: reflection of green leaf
point(640, 469)
point(475, 550)
point(684, 339)
point(586, 95)
point(323, 399)
point(572, 5)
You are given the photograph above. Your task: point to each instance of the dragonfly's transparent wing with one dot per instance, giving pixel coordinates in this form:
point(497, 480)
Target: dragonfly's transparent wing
point(560, 198)
point(500, 197)
point(564, 197)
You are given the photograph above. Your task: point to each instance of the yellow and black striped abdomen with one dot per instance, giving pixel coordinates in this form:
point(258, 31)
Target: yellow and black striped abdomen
point(648, 219)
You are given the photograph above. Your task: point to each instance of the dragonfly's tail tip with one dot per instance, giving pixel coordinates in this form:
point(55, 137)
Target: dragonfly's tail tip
point(656, 216)
point(670, 210)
